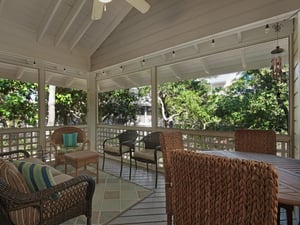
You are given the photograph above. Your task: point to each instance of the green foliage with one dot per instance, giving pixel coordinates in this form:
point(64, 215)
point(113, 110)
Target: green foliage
point(70, 106)
point(255, 101)
point(118, 107)
point(19, 105)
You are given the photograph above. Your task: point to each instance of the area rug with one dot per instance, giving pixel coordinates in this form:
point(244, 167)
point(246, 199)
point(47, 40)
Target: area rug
point(112, 197)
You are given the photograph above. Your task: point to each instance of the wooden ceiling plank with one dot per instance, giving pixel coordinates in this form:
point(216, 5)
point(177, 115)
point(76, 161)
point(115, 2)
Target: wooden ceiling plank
point(116, 21)
point(83, 29)
point(69, 21)
point(2, 2)
point(44, 25)
point(20, 73)
point(203, 65)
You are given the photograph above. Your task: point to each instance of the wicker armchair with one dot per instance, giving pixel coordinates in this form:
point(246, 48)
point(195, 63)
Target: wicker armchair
point(208, 189)
point(261, 141)
point(74, 199)
point(56, 140)
point(169, 141)
point(119, 145)
point(148, 153)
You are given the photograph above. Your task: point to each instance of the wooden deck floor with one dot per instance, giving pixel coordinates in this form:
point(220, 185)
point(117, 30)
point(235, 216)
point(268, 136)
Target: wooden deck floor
point(149, 211)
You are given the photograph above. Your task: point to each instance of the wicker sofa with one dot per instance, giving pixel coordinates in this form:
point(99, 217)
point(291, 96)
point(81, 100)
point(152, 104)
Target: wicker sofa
point(69, 197)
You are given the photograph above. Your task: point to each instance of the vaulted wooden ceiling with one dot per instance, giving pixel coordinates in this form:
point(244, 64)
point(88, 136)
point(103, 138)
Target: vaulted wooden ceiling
point(60, 36)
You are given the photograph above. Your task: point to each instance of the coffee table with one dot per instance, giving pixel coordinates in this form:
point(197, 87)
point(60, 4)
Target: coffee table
point(82, 159)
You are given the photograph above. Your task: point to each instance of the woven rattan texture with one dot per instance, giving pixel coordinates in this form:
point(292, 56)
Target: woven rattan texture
point(169, 141)
point(261, 141)
point(56, 140)
point(74, 198)
point(211, 190)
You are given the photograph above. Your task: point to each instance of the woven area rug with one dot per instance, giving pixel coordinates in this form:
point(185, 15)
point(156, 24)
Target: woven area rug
point(112, 197)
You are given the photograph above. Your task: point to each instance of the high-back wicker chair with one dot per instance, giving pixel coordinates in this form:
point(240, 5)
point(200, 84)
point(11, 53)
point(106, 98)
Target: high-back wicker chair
point(56, 140)
point(119, 145)
point(260, 141)
point(208, 189)
point(169, 141)
point(149, 153)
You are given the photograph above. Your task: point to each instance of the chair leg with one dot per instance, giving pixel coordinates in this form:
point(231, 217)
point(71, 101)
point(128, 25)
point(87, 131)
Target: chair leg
point(169, 219)
point(130, 163)
point(289, 213)
point(156, 175)
point(121, 169)
point(103, 161)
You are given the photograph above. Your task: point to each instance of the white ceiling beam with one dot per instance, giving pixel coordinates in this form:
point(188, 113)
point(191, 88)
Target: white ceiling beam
point(69, 21)
point(175, 72)
point(244, 64)
point(2, 4)
point(109, 29)
point(239, 37)
point(203, 65)
point(20, 73)
point(44, 25)
point(81, 32)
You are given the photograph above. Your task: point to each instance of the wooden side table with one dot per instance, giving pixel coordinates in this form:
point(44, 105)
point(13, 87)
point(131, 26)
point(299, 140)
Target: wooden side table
point(82, 159)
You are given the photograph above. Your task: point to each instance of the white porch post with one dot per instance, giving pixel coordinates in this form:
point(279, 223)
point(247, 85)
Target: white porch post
point(92, 110)
point(296, 82)
point(42, 107)
point(154, 97)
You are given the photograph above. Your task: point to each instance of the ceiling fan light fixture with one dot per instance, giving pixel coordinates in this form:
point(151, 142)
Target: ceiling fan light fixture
point(105, 1)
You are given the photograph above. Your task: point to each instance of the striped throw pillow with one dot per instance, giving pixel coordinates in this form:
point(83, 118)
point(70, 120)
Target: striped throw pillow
point(25, 216)
point(37, 176)
point(70, 139)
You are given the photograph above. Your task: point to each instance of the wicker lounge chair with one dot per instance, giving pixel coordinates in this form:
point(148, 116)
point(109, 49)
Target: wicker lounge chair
point(208, 189)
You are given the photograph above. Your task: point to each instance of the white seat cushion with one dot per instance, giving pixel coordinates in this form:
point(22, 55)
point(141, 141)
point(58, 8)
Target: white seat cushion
point(116, 149)
point(147, 154)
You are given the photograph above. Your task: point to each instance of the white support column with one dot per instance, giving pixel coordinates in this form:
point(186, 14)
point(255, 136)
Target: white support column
point(42, 108)
point(92, 110)
point(296, 82)
point(154, 97)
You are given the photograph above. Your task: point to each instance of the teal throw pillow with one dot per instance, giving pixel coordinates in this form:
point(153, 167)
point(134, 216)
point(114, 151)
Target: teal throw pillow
point(70, 140)
point(37, 177)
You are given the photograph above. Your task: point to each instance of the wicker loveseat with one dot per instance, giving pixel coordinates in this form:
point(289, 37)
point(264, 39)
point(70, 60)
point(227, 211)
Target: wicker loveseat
point(69, 197)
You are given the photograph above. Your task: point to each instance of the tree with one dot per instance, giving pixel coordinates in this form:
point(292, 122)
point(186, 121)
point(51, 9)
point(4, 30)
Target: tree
point(19, 106)
point(254, 101)
point(118, 107)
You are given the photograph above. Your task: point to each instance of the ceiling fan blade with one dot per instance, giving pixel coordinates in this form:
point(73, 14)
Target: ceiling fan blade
point(140, 5)
point(97, 10)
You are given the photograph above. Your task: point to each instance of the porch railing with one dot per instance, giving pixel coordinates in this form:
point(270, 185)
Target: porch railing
point(28, 139)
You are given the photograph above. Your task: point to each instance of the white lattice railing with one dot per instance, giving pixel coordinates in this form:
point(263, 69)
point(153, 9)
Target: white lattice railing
point(28, 139)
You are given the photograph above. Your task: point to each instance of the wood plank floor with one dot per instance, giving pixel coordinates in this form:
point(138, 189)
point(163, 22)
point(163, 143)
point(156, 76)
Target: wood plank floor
point(149, 211)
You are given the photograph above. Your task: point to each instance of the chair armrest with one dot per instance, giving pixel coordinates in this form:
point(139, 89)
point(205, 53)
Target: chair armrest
point(15, 152)
point(108, 139)
point(16, 200)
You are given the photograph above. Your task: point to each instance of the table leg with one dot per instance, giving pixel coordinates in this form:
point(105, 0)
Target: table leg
point(66, 167)
point(97, 170)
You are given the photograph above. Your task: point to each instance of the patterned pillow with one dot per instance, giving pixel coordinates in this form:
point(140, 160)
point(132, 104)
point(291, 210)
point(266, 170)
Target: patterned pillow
point(28, 215)
point(38, 177)
point(70, 139)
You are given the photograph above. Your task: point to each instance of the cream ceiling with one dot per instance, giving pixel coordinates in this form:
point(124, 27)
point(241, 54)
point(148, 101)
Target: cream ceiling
point(59, 36)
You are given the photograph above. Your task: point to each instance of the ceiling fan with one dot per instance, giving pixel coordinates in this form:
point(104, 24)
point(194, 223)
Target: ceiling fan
point(100, 5)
